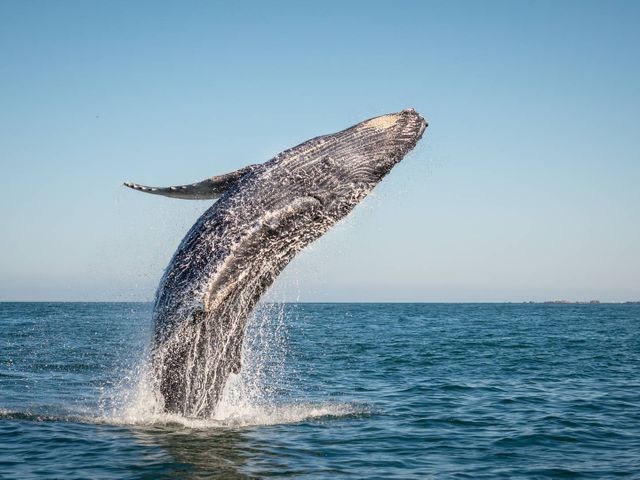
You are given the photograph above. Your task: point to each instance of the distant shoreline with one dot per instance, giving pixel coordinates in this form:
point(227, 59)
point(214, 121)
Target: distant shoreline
point(582, 302)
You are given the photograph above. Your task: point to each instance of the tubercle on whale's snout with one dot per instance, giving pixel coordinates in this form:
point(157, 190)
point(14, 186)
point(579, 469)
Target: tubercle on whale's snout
point(423, 126)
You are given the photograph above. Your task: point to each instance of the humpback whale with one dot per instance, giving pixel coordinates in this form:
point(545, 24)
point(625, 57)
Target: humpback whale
point(263, 216)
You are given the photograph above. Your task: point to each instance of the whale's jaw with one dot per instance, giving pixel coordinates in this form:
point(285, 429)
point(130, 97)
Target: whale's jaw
point(265, 215)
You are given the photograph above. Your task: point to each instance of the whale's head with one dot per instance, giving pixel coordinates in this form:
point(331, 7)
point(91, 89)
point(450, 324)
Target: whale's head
point(340, 169)
point(381, 142)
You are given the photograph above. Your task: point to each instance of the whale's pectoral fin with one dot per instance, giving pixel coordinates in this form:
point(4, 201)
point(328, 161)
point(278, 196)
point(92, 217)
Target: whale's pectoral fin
point(210, 188)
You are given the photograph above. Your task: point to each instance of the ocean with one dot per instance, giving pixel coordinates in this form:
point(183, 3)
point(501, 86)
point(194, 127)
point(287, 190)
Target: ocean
point(461, 391)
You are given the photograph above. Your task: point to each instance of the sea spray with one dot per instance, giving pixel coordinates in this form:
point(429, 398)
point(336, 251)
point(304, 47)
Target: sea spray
point(263, 375)
point(259, 395)
point(136, 399)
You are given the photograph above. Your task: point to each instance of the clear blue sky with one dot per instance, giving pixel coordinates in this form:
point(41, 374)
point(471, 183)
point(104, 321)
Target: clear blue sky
point(526, 185)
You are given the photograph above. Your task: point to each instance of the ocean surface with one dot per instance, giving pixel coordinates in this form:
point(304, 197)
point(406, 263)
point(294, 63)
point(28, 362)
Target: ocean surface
point(331, 391)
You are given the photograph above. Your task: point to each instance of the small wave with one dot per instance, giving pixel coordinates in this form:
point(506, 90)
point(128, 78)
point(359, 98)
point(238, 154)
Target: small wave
point(30, 416)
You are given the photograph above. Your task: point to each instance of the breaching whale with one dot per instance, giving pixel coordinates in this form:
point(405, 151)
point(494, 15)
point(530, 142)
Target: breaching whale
point(265, 214)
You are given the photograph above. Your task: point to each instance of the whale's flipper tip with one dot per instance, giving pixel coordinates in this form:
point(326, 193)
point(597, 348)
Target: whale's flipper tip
point(208, 189)
point(141, 188)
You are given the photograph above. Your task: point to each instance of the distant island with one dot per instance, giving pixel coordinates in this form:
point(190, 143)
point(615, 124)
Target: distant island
point(566, 302)
point(579, 302)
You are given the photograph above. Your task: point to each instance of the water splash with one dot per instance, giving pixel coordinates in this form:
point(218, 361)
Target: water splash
point(258, 395)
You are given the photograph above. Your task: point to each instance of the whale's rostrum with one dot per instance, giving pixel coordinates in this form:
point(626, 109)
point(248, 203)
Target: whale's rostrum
point(264, 215)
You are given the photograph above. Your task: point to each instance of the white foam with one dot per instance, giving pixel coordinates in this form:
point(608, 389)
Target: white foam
point(246, 417)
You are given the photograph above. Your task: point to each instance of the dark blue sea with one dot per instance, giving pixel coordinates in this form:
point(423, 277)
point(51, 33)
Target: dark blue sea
point(331, 391)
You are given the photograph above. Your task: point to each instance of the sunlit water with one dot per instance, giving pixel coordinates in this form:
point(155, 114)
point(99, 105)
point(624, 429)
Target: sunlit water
point(331, 390)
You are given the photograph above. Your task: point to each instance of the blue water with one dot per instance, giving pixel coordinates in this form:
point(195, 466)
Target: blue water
point(332, 390)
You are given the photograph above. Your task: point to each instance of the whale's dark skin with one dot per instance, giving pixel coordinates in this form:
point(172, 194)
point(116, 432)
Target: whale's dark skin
point(265, 214)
